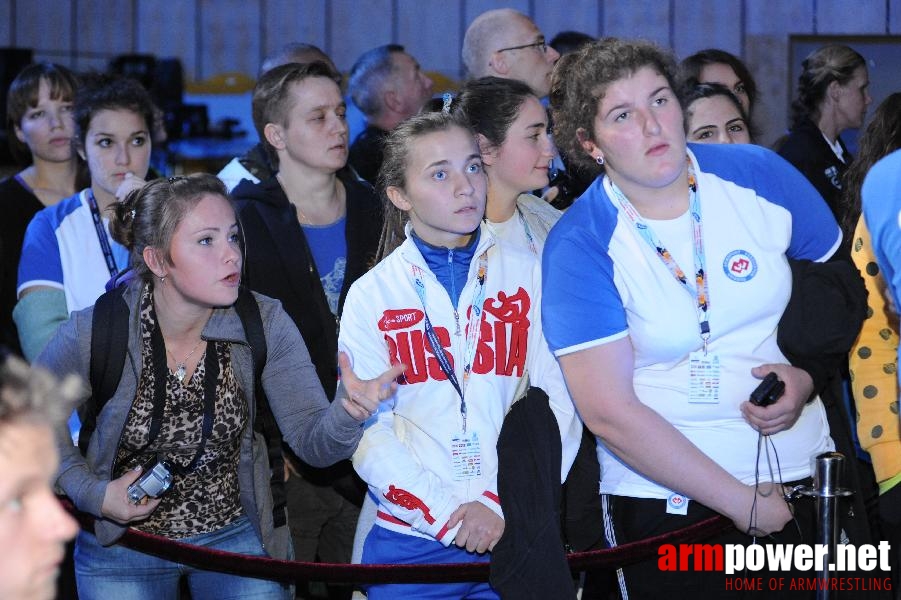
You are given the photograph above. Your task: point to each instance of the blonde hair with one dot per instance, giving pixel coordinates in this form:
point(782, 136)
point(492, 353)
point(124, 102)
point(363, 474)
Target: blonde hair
point(149, 215)
point(34, 395)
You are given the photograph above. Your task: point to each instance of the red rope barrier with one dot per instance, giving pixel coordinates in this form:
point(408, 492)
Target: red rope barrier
point(296, 571)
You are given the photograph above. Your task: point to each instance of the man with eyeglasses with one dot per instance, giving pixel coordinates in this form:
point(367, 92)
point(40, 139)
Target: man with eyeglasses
point(506, 43)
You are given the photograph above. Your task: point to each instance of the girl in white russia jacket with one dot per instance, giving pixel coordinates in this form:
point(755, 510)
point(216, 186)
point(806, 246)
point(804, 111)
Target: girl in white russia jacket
point(428, 453)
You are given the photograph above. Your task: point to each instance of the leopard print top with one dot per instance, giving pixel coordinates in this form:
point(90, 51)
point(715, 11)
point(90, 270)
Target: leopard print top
point(208, 497)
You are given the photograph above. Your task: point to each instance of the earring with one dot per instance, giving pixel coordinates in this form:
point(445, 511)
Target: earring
point(162, 278)
point(599, 159)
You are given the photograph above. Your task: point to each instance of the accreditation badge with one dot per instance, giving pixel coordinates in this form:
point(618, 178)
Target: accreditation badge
point(466, 454)
point(704, 384)
point(677, 504)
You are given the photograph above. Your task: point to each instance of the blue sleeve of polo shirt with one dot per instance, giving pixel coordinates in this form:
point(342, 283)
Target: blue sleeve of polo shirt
point(815, 234)
point(40, 263)
point(581, 306)
point(881, 196)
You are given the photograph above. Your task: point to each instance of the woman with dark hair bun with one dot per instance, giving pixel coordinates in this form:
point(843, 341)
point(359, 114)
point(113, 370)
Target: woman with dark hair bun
point(39, 120)
point(511, 127)
point(832, 96)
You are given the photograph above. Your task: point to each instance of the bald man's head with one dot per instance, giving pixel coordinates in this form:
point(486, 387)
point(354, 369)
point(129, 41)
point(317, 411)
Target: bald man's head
point(488, 32)
point(506, 43)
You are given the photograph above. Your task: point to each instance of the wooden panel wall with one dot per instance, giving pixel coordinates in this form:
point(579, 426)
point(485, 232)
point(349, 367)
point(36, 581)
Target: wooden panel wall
point(651, 21)
point(214, 36)
point(157, 32)
point(768, 26)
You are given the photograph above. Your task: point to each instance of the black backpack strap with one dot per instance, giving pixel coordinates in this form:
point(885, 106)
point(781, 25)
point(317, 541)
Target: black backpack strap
point(264, 421)
point(109, 346)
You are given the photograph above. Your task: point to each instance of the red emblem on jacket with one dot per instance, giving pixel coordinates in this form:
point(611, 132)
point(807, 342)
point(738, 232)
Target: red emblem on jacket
point(405, 499)
point(399, 319)
point(502, 347)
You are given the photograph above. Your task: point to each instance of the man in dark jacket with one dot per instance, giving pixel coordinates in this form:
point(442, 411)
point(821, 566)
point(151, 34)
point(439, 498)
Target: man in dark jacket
point(389, 86)
point(254, 165)
point(310, 231)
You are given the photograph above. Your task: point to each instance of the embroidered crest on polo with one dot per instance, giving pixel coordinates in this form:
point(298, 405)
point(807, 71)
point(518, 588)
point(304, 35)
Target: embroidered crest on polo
point(740, 265)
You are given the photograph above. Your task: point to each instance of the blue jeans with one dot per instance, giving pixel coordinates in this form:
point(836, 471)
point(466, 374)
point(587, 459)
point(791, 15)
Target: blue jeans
point(120, 573)
point(384, 546)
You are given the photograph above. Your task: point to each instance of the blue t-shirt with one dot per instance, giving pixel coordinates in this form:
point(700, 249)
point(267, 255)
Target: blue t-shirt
point(881, 198)
point(328, 243)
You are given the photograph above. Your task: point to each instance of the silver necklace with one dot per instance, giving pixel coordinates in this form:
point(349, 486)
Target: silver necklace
point(181, 368)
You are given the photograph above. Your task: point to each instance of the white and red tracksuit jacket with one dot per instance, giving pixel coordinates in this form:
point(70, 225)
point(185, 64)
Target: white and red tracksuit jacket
point(405, 453)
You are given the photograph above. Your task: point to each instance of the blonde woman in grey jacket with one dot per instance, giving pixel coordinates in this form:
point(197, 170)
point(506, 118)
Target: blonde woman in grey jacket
point(185, 399)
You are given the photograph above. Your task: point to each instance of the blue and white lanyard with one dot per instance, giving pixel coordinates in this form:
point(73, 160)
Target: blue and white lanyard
point(101, 235)
point(700, 292)
point(472, 332)
point(528, 230)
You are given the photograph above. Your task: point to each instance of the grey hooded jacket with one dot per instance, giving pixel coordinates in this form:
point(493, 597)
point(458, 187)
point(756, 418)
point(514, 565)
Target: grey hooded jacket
point(320, 433)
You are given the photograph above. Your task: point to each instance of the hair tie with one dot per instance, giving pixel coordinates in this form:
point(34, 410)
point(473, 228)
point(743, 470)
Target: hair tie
point(447, 98)
point(132, 212)
point(176, 178)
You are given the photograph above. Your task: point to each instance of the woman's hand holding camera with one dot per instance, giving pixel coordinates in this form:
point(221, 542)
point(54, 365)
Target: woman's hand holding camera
point(118, 507)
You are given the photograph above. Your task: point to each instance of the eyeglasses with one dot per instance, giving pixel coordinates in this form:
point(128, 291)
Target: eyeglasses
point(540, 44)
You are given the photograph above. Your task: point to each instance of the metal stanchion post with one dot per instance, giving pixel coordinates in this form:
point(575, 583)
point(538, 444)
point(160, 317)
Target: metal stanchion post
point(827, 475)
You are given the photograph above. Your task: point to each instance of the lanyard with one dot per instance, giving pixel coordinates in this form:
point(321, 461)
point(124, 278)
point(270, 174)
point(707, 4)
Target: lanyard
point(525, 225)
point(472, 333)
point(210, 380)
point(700, 292)
point(101, 235)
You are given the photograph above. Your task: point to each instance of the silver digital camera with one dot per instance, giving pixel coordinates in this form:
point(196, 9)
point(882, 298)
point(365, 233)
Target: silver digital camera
point(155, 480)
